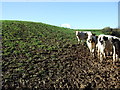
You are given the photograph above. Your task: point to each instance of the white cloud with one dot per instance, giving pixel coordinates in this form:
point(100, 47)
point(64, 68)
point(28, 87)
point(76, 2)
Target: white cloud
point(66, 25)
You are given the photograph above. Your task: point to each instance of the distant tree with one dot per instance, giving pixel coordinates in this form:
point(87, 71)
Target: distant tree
point(107, 30)
point(116, 32)
point(111, 31)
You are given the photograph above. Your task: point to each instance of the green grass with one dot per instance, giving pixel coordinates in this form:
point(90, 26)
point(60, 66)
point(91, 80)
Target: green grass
point(34, 34)
point(20, 37)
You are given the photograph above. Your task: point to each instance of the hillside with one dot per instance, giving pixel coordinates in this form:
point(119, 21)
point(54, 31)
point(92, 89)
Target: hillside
point(40, 34)
point(38, 55)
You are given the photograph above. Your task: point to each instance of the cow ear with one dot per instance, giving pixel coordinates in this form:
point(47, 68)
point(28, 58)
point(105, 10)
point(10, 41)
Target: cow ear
point(105, 38)
point(96, 36)
point(86, 35)
point(93, 34)
point(114, 40)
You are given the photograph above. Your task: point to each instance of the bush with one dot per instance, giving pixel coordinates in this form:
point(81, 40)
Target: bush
point(111, 31)
point(107, 30)
point(116, 32)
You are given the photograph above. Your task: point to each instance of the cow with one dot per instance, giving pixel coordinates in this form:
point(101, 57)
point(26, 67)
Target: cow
point(91, 43)
point(90, 38)
point(82, 35)
point(104, 45)
point(116, 48)
point(108, 44)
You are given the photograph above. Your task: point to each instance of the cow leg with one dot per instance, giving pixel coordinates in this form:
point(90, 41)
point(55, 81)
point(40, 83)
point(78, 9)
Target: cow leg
point(93, 52)
point(114, 55)
point(101, 57)
point(102, 54)
point(78, 39)
point(115, 58)
point(90, 48)
point(98, 53)
point(94, 49)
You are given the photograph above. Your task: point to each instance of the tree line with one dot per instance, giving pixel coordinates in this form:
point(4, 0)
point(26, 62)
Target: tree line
point(111, 31)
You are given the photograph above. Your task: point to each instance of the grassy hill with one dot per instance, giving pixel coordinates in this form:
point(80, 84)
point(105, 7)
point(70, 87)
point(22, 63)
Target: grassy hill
point(35, 35)
point(38, 55)
point(25, 43)
point(21, 38)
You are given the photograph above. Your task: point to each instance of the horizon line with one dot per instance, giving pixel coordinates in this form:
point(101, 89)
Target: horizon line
point(52, 24)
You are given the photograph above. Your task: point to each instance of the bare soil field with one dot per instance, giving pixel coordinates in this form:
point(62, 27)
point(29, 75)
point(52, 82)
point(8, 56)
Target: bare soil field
point(71, 67)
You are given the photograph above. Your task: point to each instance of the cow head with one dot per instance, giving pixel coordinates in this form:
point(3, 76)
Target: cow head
point(90, 39)
point(105, 38)
point(101, 41)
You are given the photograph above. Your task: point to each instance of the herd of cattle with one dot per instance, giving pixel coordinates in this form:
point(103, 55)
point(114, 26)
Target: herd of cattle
point(104, 45)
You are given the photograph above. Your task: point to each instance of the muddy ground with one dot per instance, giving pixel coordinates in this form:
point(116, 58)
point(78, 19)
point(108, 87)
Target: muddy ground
point(70, 67)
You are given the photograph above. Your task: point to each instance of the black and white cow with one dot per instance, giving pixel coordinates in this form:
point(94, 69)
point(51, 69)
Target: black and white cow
point(91, 43)
point(90, 39)
point(108, 44)
point(104, 45)
point(82, 35)
point(116, 48)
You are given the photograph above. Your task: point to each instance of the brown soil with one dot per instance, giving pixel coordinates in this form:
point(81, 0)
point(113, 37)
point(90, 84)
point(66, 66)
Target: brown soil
point(71, 67)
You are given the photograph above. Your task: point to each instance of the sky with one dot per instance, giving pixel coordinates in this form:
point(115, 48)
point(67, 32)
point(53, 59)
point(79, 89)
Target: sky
point(75, 15)
point(119, 14)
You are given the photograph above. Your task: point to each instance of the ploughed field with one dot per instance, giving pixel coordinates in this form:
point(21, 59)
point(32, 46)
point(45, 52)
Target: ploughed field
point(39, 62)
point(72, 67)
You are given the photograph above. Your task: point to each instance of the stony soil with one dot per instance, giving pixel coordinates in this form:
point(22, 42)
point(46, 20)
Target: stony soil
point(70, 67)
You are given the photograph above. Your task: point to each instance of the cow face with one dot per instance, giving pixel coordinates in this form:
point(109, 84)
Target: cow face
point(100, 40)
point(91, 39)
point(103, 39)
